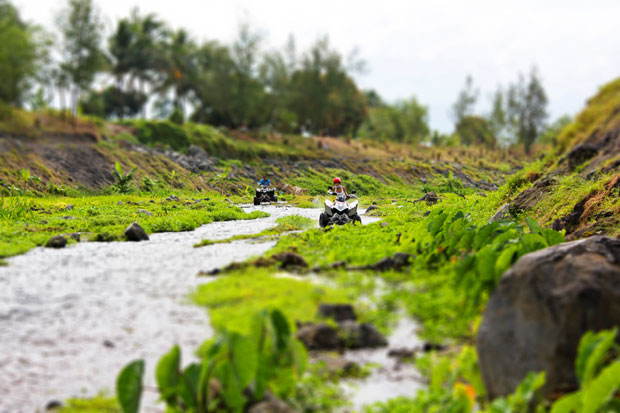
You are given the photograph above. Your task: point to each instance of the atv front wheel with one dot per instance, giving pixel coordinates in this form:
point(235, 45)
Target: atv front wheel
point(356, 218)
point(275, 198)
point(256, 201)
point(323, 220)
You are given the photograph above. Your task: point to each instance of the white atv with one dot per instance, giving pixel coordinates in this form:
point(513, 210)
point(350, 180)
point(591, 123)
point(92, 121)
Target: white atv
point(340, 211)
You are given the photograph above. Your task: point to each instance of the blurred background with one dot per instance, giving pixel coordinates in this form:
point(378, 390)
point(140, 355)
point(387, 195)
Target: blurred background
point(405, 71)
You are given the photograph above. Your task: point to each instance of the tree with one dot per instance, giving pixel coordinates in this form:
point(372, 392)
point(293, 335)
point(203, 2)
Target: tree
point(527, 108)
point(465, 102)
point(81, 28)
point(475, 130)
point(406, 121)
point(497, 119)
point(21, 52)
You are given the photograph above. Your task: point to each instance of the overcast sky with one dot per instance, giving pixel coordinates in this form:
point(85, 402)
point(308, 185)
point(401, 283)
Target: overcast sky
point(421, 48)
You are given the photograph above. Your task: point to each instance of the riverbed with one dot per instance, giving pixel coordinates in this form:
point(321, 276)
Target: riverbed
point(70, 319)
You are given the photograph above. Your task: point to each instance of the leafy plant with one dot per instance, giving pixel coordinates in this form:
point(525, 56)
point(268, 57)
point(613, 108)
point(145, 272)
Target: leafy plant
point(237, 362)
point(599, 381)
point(123, 181)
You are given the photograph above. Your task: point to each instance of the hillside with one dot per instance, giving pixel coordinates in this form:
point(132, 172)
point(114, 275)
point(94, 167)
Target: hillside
point(81, 154)
point(576, 188)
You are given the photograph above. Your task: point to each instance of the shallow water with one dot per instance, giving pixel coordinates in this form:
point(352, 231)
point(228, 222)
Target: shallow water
point(392, 379)
point(70, 319)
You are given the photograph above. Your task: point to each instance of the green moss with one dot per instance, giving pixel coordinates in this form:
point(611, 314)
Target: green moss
point(27, 222)
point(98, 404)
point(234, 298)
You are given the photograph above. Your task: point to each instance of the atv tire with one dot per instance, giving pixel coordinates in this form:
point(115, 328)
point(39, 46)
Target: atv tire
point(323, 220)
point(275, 199)
point(256, 201)
point(356, 218)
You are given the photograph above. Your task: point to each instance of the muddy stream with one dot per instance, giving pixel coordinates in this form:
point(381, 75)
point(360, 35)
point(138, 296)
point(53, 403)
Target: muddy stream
point(70, 319)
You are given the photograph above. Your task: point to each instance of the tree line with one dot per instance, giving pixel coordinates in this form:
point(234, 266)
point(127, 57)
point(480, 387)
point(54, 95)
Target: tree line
point(145, 63)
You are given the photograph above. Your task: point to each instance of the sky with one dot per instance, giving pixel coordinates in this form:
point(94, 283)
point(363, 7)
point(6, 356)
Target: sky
point(416, 48)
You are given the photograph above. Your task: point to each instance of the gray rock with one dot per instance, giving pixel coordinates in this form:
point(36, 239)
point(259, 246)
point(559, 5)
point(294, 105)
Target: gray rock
point(337, 312)
point(319, 336)
point(502, 213)
point(430, 198)
point(145, 212)
point(57, 241)
point(541, 308)
point(290, 259)
point(371, 208)
point(135, 232)
point(69, 207)
point(362, 335)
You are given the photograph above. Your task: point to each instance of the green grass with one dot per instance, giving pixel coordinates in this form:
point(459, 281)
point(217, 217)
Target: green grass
point(28, 222)
point(98, 404)
point(232, 299)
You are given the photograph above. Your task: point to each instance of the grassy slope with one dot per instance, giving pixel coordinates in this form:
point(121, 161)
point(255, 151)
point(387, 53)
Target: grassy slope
point(593, 181)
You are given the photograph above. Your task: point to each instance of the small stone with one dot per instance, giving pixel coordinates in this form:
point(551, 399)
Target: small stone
point(290, 259)
point(53, 405)
point(119, 203)
point(108, 344)
point(383, 224)
point(337, 312)
point(145, 212)
point(69, 207)
point(57, 241)
point(67, 217)
point(135, 232)
point(371, 208)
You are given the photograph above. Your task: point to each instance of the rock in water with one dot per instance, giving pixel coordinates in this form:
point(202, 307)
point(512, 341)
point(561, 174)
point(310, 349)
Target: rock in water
point(56, 242)
point(337, 312)
point(318, 336)
point(541, 308)
point(364, 335)
point(135, 232)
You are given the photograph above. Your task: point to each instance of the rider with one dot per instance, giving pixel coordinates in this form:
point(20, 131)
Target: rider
point(339, 189)
point(264, 183)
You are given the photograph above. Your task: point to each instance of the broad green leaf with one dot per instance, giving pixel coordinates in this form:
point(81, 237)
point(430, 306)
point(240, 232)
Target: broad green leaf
point(167, 375)
point(281, 329)
point(568, 404)
point(238, 369)
point(533, 225)
point(119, 169)
point(596, 355)
point(485, 262)
point(188, 384)
point(506, 258)
point(598, 391)
point(129, 386)
point(553, 237)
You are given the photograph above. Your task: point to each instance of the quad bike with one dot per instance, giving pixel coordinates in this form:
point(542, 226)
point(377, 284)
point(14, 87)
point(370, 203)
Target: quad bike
point(340, 211)
point(264, 194)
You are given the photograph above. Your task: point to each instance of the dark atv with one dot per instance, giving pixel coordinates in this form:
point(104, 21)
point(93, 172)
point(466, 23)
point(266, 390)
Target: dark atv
point(265, 195)
point(340, 211)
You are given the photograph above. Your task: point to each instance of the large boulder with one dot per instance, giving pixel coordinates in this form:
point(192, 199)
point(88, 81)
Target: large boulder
point(541, 308)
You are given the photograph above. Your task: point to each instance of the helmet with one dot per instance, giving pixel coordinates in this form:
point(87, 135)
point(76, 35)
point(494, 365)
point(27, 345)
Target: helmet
point(336, 180)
